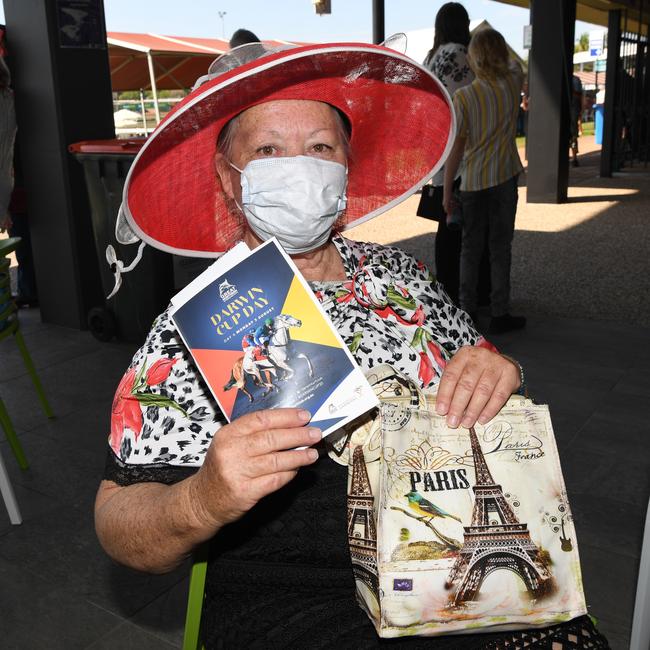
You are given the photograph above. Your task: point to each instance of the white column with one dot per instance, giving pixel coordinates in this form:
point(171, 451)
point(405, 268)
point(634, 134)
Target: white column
point(8, 495)
point(641, 621)
point(143, 111)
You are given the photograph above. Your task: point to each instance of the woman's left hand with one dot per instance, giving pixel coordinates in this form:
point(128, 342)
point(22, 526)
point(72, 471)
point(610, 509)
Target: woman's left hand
point(449, 202)
point(474, 386)
point(5, 223)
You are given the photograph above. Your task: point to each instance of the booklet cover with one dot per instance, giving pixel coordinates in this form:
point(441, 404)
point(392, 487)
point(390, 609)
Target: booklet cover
point(261, 340)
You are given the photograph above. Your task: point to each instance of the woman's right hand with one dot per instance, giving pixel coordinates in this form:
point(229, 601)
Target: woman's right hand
point(248, 459)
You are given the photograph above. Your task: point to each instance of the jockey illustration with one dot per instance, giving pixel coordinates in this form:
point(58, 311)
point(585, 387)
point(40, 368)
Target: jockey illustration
point(256, 359)
point(252, 350)
point(263, 333)
point(248, 340)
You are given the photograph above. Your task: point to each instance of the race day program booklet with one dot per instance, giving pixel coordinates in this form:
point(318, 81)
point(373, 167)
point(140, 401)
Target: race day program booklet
point(261, 340)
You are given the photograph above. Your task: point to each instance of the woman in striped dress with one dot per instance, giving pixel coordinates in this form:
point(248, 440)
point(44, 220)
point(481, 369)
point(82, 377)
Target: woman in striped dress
point(486, 111)
point(447, 60)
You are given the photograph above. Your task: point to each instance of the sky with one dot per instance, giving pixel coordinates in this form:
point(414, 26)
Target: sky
point(296, 19)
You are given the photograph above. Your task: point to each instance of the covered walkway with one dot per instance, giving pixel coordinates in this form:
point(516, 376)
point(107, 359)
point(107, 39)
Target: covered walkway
point(153, 62)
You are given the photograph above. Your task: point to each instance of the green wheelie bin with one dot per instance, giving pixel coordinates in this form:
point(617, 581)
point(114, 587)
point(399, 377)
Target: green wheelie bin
point(146, 291)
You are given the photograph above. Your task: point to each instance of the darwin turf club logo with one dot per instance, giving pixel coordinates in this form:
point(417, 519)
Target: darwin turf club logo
point(227, 290)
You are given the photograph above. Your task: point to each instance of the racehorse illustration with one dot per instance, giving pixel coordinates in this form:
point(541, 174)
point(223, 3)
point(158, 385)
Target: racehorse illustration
point(278, 353)
point(279, 347)
point(247, 365)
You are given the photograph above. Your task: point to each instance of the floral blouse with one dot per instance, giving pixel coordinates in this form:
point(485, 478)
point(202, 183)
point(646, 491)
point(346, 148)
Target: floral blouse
point(449, 64)
point(389, 310)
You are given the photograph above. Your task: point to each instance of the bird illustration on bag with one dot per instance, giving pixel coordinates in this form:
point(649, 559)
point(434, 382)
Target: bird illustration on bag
point(427, 509)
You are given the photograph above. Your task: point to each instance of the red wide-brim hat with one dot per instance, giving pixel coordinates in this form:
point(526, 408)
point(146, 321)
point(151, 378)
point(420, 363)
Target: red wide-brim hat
point(402, 129)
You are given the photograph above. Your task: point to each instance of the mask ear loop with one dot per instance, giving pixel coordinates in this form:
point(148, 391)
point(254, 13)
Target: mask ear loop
point(241, 171)
point(118, 268)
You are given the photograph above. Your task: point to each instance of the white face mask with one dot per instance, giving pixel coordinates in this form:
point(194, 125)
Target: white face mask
point(296, 199)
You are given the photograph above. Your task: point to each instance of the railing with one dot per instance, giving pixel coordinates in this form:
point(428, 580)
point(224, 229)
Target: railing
point(144, 125)
point(632, 139)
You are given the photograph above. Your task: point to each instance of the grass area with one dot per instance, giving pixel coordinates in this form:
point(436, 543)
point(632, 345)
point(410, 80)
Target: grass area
point(587, 129)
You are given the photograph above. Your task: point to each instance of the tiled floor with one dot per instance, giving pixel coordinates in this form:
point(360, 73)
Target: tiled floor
point(60, 591)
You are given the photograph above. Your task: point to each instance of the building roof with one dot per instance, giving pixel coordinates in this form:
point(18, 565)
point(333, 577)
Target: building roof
point(596, 12)
point(177, 60)
point(589, 79)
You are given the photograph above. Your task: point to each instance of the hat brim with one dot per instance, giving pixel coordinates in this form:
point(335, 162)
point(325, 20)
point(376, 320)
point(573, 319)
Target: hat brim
point(402, 130)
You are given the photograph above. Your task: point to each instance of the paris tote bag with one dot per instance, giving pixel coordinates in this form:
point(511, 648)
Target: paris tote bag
point(456, 530)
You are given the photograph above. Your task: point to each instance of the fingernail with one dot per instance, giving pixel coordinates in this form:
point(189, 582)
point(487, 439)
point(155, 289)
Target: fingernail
point(315, 434)
point(312, 454)
point(305, 416)
point(441, 408)
point(452, 421)
point(467, 422)
point(482, 419)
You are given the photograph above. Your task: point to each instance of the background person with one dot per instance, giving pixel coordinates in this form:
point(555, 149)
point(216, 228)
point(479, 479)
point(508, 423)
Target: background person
point(13, 197)
point(18, 226)
point(242, 37)
point(486, 112)
point(575, 115)
point(447, 60)
point(7, 139)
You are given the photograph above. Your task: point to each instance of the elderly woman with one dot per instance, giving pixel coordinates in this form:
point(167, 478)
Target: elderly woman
point(303, 132)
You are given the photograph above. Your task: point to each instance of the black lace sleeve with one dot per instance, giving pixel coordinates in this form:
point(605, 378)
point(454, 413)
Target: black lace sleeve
point(124, 474)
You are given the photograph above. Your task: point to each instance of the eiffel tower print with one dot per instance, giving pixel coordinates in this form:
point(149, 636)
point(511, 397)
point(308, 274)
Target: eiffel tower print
point(495, 540)
point(362, 533)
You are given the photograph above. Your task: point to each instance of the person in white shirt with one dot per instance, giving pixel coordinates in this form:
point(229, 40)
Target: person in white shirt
point(447, 60)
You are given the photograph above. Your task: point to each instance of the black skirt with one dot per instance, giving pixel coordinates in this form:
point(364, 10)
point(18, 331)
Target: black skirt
point(281, 577)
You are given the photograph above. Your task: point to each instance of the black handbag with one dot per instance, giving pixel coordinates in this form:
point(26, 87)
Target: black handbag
point(430, 206)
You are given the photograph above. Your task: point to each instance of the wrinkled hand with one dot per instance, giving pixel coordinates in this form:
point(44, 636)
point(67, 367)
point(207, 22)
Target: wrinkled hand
point(249, 458)
point(474, 385)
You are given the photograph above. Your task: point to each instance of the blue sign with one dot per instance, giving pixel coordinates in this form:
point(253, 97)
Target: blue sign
point(596, 42)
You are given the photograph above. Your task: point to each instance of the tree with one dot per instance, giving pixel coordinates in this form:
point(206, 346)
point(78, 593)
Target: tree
point(582, 44)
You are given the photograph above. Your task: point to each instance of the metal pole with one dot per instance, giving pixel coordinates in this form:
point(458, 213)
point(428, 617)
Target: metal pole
point(611, 91)
point(142, 110)
point(378, 28)
point(638, 86)
point(154, 89)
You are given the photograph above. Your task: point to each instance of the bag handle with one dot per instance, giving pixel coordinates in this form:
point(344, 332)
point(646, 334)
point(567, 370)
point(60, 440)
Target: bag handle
point(386, 373)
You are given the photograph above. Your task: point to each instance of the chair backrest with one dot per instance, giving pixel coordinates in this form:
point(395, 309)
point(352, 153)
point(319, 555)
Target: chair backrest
point(192, 634)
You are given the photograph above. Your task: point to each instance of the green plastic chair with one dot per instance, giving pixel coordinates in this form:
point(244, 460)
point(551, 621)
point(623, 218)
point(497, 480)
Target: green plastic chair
point(192, 634)
point(10, 326)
